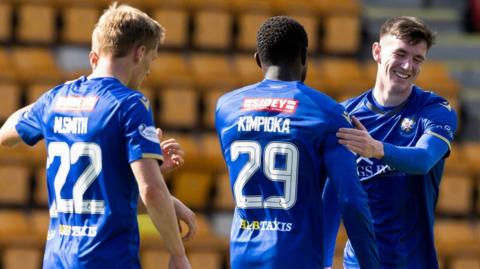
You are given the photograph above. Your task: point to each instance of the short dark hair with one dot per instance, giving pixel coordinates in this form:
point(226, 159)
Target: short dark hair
point(280, 39)
point(410, 29)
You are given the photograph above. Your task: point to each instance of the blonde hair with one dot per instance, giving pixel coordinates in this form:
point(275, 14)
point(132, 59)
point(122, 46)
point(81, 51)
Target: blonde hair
point(122, 28)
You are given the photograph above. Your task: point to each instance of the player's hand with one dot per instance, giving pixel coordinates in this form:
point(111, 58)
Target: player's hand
point(360, 141)
point(179, 262)
point(186, 215)
point(172, 154)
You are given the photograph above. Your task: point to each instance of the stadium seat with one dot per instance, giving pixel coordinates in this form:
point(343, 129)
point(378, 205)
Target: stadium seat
point(38, 63)
point(210, 148)
point(205, 259)
point(247, 69)
point(176, 23)
point(10, 94)
point(248, 24)
point(210, 101)
point(470, 151)
point(35, 90)
point(170, 69)
point(341, 34)
point(192, 188)
point(212, 29)
point(223, 198)
point(40, 220)
point(465, 262)
point(310, 23)
point(296, 7)
point(22, 257)
point(252, 6)
point(14, 184)
point(339, 6)
point(78, 24)
point(178, 107)
point(453, 236)
point(154, 258)
point(435, 77)
point(5, 21)
point(40, 193)
point(342, 76)
point(13, 225)
point(36, 23)
point(6, 65)
point(456, 194)
point(213, 70)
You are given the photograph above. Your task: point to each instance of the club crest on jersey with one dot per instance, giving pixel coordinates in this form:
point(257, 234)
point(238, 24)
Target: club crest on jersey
point(149, 133)
point(282, 105)
point(407, 125)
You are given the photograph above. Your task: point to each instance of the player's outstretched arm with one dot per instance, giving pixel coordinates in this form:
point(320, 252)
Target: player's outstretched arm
point(8, 134)
point(352, 203)
point(160, 206)
point(418, 159)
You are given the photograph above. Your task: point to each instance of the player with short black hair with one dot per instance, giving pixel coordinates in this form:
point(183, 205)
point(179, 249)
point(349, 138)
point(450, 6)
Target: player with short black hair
point(278, 140)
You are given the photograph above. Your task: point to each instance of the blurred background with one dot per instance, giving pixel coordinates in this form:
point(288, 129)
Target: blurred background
point(209, 50)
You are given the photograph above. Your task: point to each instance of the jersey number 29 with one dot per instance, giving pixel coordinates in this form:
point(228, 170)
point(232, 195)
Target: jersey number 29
point(288, 174)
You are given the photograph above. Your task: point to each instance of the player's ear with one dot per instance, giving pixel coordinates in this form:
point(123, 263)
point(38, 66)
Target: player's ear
point(257, 59)
point(139, 53)
point(376, 49)
point(93, 56)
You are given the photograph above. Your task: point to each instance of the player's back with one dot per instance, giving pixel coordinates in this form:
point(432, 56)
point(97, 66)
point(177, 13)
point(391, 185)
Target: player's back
point(272, 135)
point(92, 191)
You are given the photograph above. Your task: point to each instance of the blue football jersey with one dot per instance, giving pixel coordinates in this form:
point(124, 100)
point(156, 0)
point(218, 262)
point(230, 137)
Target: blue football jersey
point(93, 129)
point(278, 141)
point(402, 204)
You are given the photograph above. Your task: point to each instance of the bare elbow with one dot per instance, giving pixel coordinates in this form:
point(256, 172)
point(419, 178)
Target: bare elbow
point(153, 195)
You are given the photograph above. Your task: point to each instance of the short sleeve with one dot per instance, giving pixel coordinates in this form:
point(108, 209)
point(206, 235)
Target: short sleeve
point(139, 129)
point(29, 125)
point(440, 120)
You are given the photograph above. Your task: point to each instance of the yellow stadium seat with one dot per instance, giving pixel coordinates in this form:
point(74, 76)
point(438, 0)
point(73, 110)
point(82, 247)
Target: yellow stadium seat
point(213, 70)
point(465, 262)
point(10, 94)
point(212, 29)
point(342, 76)
point(176, 23)
point(224, 198)
point(178, 107)
point(310, 23)
point(78, 23)
point(22, 257)
point(5, 21)
point(6, 65)
point(205, 259)
point(35, 90)
point(248, 24)
point(170, 69)
point(154, 258)
point(14, 184)
point(36, 64)
point(342, 34)
point(36, 23)
point(210, 101)
point(192, 188)
point(456, 194)
point(247, 69)
point(40, 193)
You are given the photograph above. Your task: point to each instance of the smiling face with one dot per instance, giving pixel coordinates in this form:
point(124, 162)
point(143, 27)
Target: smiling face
point(399, 62)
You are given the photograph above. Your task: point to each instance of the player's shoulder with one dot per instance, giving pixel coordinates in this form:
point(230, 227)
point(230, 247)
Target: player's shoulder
point(235, 94)
point(428, 100)
point(321, 100)
point(357, 103)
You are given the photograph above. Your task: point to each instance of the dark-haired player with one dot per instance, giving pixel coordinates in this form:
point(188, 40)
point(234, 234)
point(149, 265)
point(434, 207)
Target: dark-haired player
point(403, 137)
point(278, 140)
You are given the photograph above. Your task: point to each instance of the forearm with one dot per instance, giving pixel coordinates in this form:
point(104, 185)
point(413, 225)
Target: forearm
point(8, 134)
point(418, 159)
point(160, 207)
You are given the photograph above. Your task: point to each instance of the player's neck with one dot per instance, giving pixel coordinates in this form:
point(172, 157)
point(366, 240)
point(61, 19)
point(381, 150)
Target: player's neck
point(117, 68)
point(276, 72)
point(389, 96)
